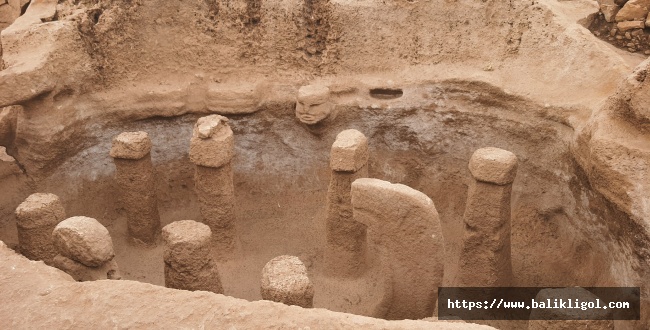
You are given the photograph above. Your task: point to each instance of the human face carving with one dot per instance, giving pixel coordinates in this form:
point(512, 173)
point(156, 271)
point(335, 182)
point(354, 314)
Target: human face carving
point(311, 113)
point(313, 104)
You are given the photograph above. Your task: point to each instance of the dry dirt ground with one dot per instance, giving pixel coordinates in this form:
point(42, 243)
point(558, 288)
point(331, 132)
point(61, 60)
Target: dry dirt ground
point(525, 76)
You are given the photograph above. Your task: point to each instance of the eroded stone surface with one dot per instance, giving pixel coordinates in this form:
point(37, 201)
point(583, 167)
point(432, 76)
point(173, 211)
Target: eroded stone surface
point(8, 123)
point(8, 165)
point(186, 244)
point(609, 8)
point(633, 10)
point(485, 259)
point(188, 260)
point(131, 145)
point(85, 240)
point(40, 209)
point(135, 177)
point(630, 25)
point(285, 280)
point(212, 143)
point(36, 217)
point(346, 238)
point(349, 152)
point(493, 165)
point(81, 272)
point(9, 11)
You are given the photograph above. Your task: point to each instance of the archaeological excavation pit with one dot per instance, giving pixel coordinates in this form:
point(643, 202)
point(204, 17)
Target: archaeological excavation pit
point(202, 159)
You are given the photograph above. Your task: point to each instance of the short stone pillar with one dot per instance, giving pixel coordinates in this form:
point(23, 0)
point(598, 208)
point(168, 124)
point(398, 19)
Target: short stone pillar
point(285, 280)
point(405, 227)
point(36, 218)
point(85, 250)
point(485, 258)
point(560, 318)
point(211, 150)
point(135, 177)
point(345, 253)
point(188, 257)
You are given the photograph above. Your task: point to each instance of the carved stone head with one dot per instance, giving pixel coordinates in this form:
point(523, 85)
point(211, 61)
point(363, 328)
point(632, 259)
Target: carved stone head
point(313, 104)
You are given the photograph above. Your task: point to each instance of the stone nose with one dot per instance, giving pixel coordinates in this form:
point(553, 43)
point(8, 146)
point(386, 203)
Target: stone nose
point(303, 108)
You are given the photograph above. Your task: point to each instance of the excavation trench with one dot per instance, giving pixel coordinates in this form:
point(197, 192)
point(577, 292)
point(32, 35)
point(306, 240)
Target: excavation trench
point(281, 175)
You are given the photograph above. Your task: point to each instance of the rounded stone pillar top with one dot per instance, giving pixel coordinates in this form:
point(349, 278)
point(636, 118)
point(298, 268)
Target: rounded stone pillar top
point(212, 143)
point(349, 151)
point(186, 231)
point(285, 280)
point(40, 210)
point(131, 145)
point(493, 165)
point(313, 94)
point(84, 240)
point(186, 243)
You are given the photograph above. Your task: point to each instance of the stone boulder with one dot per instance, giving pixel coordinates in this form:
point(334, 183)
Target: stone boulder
point(84, 240)
point(634, 10)
point(609, 8)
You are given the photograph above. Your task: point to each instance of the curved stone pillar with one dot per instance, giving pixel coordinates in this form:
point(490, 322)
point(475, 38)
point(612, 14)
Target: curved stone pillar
point(131, 152)
point(405, 226)
point(485, 258)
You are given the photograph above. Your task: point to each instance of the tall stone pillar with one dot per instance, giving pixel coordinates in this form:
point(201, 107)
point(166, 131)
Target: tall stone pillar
point(211, 150)
point(345, 253)
point(135, 177)
point(405, 228)
point(285, 280)
point(485, 258)
point(85, 250)
point(188, 258)
point(36, 218)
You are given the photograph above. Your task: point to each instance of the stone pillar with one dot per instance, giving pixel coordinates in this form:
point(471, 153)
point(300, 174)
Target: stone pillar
point(36, 218)
point(85, 250)
point(485, 259)
point(135, 177)
point(188, 260)
point(405, 228)
point(285, 280)
point(211, 150)
point(559, 318)
point(345, 253)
